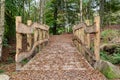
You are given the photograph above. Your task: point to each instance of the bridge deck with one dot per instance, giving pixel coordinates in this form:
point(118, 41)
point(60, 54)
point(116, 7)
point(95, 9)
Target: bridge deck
point(60, 60)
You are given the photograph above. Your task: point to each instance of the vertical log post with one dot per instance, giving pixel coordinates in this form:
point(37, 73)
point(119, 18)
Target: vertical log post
point(79, 35)
point(48, 34)
point(77, 43)
point(18, 42)
point(88, 35)
point(44, 37)
point(40, 38)
point(29, 37)
point(82, 40)
point(75, 33)
point(97, 38)
point(36, 35)
point(18, 36)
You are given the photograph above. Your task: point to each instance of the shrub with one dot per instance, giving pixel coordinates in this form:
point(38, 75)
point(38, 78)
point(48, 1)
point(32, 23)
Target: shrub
point(114, 58)
point(108, 35)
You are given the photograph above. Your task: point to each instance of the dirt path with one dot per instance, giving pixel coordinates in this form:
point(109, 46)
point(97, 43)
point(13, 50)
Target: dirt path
point(60, 60)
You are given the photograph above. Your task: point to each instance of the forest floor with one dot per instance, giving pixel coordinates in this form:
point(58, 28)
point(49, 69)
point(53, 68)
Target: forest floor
point(59, 60)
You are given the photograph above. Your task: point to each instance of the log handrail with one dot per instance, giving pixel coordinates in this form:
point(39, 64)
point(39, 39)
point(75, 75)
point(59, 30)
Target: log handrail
point(37, 36)
point(82, 39)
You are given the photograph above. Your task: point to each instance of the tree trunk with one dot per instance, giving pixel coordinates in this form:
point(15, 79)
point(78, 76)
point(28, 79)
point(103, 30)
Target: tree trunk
point(29, 9)
point(41, 10)
point(102, 11)
point(2, 9)
point(81, 11)
point(23, 11)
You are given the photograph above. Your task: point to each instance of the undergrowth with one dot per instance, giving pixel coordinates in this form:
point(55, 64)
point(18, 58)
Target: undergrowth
point(1, 71)
point(113, 58)
point(108, 35)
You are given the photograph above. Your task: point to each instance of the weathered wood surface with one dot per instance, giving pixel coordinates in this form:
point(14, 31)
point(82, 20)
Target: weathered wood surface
point(76, 27)
point(88, 29)
point(87, 37)
point(88, 53)
point(82, 33)
point(29, 37)
point(24, 29)
point(91, 29)
point(37, 35)
point(18, 36)
point(37, 25)
point(97, 38)
point(23, 55)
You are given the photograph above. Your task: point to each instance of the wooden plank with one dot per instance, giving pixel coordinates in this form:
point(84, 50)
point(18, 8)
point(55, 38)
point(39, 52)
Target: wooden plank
point(79, 26)
point(43, 36)
point(29, 30)
point(88, 36)
point(18, 36)
point(29, 37)
point(83, 40)
point(90, 29)
point(80, 47)
point(48, 36)
point(88, 52)
point(97, 38)
point(24, 29)
point(37, 25)
point(36, 33)
point(40, 38)
point(18, 42)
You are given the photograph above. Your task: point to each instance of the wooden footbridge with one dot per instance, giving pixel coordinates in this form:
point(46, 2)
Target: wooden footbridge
point(58, 57)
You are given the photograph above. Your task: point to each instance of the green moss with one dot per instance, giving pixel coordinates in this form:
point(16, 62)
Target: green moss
point(109, 73)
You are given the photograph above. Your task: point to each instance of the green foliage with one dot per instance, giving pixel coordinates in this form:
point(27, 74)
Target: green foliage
point(113, 58)
point(61, 30)
point(1, 71)
point(5, 42)
point(104, 55)
point(108, 35)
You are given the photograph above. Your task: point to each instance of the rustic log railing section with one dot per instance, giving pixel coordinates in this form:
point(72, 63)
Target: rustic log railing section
point(82, 39)
point(37, 36)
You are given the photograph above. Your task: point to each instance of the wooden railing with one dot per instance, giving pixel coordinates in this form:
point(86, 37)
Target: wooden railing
point(37, 36)
point(82, 39)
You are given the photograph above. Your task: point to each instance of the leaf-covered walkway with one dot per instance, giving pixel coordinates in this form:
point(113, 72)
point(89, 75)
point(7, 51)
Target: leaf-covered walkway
point(59, 60)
